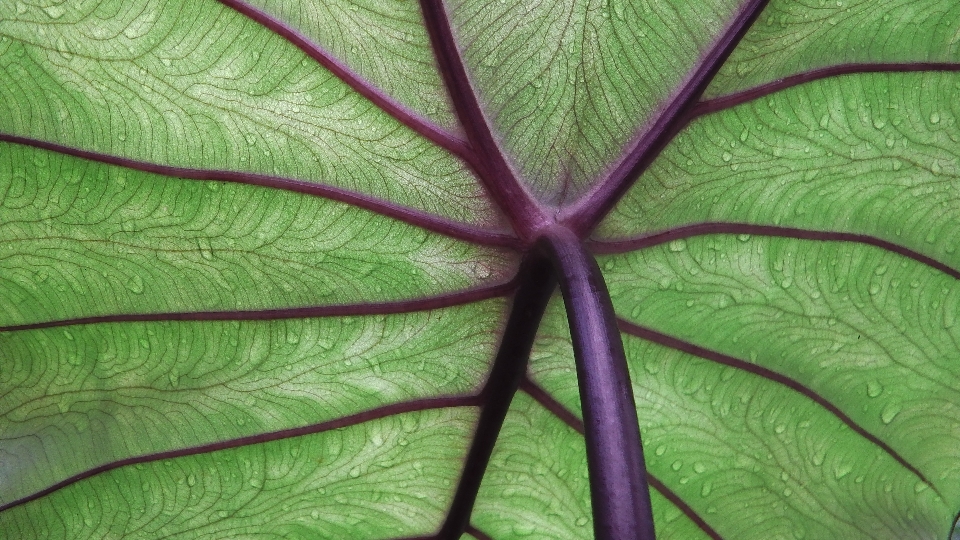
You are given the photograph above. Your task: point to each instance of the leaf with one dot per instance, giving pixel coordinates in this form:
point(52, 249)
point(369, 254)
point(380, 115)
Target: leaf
point(277, 268)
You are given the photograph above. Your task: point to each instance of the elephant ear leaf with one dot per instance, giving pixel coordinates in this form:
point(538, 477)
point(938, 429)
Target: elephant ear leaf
point(278, 267)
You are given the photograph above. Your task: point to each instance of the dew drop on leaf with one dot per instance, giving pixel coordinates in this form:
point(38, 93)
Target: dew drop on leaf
point(677, 245)
point(524, 529)
point(135, 284)
point(889, 412)
point(582, 521)
point(874, 389)
point(677, 465)
point(935, 118)
point(54, 12)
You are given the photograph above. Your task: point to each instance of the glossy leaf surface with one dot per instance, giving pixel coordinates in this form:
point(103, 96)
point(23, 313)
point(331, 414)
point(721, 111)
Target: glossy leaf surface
point(266, 267)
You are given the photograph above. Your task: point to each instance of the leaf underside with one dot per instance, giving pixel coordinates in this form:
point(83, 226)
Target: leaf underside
point(257, 259)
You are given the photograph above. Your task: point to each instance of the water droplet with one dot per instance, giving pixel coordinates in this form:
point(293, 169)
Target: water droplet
point(174, 379)
point(191, 480)
point(874, 388)
point(582, 521)
point(54, 12)
point(889, 412)
point(878, 123)
point(841, 470)
point(205, 250)
point(825, 120)
point(705, 489)
point(660, 450)
point(677, 465)
point(780, 428)
point(699, 467)
point(743, 237)
point(874, 288)
point(68, 335)
point(677, 245)
point(727, 156)
point(355, 472)
point(786, 283)
point(135, 284)
point(524, 528)
point(920, 487)
point(935, 118)
point(315, 514)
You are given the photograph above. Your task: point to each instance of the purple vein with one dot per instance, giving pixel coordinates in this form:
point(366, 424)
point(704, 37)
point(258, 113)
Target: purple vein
point(364, 88)
point(698, 229)
point(549, 403)
point(731, 100)
point(584, 215)
point(524, 212)
point(338, 310)
point(418, 218)
point(536, 285)
point(720, 358)
point(337, 423)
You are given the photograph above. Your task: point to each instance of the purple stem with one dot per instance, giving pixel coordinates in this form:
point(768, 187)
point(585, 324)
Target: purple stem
point(618, 485)
point(698, 229)
point(584, 215)
point(337, 310)
point(411, 216)
point(731, 100)
point(548, 402)
point(524, 212)
point(536, 285)
point(337, 423)
point(367, 90)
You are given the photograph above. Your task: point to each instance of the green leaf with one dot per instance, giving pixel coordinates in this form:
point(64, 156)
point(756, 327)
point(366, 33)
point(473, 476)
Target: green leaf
point(258, 259)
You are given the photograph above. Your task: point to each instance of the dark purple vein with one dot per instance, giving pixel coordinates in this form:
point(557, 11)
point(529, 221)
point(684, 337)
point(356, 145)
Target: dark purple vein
point(337, 310)
point(536, 285)
point(584, 215)
point(411, 216)
point(346, 421)
point(524, 212)
point(698, 229)
point(477, 533)
point(731, 100)
point(376, 96)
point(619, 493)
point(548, 402)
point(720, 358)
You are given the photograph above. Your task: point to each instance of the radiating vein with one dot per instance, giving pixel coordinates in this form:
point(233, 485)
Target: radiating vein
point(412, 216)
point(671, 342)
point(700, 229)
point(341, 310)
point(586, 213)
point(547, 401)
point(496, 174)
point(375, 95)
point(346, 421)
point(731, 100)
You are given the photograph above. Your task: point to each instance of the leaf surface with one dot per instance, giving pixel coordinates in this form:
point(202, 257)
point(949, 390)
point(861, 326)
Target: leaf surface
point(257, 260)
